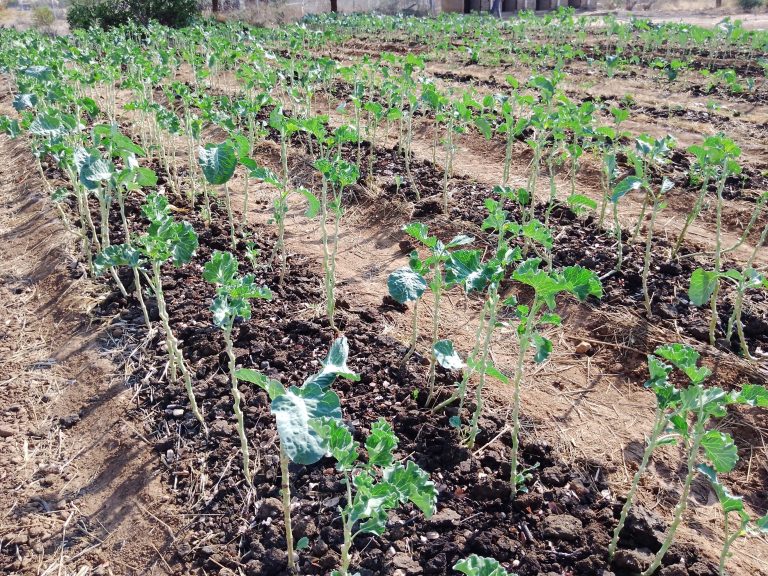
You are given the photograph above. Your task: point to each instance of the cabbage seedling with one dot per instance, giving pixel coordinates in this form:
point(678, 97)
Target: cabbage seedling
point(218, 162)
point(711, 447)
point(405, 285)
point(164, 240)
point(475, 565)
point(298, 414)
point(702, 289)
point(375, 485)
point(574, 280)
point(732, 504)
point(233, 293)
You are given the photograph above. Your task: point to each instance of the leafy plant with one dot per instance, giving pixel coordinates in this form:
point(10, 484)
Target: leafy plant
point(405, 285)
point(375, 485)
point(218, 163)
point(476, 565)
point(233, 293)
point(301, 413)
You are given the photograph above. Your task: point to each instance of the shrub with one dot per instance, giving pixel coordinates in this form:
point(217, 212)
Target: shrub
point(43, 17)
point(749, 4)
point(110, 13)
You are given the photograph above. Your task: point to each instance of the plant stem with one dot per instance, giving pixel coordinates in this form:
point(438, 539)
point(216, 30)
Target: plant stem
point(438, 292)
point(414, 335)
point(285, 492)
point(617, 230)
point(683, 503)
point(718, 229)
point(230, 217)
point(236, 406)
point(647, 258)
point(347, 531)
point(691, 217)
point(492, 303)
point(658, 427)
point(176, 358)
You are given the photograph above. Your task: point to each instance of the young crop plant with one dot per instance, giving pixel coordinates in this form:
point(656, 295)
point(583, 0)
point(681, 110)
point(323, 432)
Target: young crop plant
point(432, 269)
point(338, 174)
point(218, 163)
point(374, 485)
point(689, 411)
point(475, 565)
point(231, 302)
point(732, 504)
point(716, 160)
point(280, 211)
point(406, 285)
point(164, 240)
point(702, 288)
point(547, 285)
point(301, 414)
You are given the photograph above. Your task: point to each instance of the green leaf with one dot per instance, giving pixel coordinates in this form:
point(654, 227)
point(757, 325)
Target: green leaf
point(340, 443)
point(24, 101)
point(183, 241)
point(273, 388)
point(753, 395)
point(476, 565)
point(686, 359)
point(313, 203)
point(335, 364)
point(295, 412)
point(218, 162)
point(156, 208)
point(464, 267)
point(447, 356)
point(413, 484)
point(543, 347)
point(579, 203)
point(582, 282)
point(405, 285)
point(381, 444)
point(95, 171)
point(702, 286)
point(720, 450)
point(303, 543)
point(728, 501)
point(625, 186)
point(221, 268)
point(762, 524)
point(116, 255)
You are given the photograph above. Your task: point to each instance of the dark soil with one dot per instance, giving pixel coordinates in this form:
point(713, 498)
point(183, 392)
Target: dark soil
point(561, 526)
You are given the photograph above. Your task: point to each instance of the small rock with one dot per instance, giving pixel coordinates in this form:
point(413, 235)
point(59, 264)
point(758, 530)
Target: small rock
point(633, 560)
point(178, 413)
point(674, 570)
point(220, 428)
point(446, 517)
point(268, 508)
point(404, 562)
point(7, 432)
point(69, 420)
point(562, 527)
point(583, 348)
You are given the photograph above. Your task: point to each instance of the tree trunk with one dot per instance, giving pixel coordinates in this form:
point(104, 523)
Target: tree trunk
point(496, 8)
point(334, 6)
point(215, 5)
point(718, 3)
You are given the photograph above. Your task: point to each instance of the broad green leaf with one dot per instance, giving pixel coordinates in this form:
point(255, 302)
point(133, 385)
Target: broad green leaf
point(447, 356)
point(24, 101)
point(753, 395)
point(334, 365)
point(218, 162)
point(464, 267)
point(405, 285)
point(413, 484)
point(582, 282)
point(340, 443)
point(381, 444)
point(116, 255)
point(313, 203)
point(476, 565)
point(295, 412)
point(702, 286)
point(720, 450)
point(272, 387)
point(728, 501)
point(156, 208)
point(221, 268)
point(542, 346)
point(625, 186)
point(686, 359)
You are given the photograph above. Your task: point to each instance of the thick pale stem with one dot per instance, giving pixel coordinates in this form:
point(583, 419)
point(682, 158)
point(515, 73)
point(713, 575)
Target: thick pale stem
point(285, 492)
point(236, 405)
point(414, 335)
point(647, 258)
point(683, 503)
point(230, 217)
point(493, 299)
point(438, 292)
point(691, 217)
point(718, 256)
point(658, 428)
point(347, 532)
point(619, 244)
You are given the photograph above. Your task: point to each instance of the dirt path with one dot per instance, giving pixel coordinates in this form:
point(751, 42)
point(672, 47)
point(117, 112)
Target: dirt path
point(79, 480)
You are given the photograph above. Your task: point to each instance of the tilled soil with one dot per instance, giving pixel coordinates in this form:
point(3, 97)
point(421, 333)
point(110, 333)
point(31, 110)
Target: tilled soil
point(561, 526)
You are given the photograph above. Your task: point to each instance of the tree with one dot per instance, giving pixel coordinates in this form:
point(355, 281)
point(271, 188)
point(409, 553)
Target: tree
point(334, 6)
point(496, 8)
point(215, 5)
